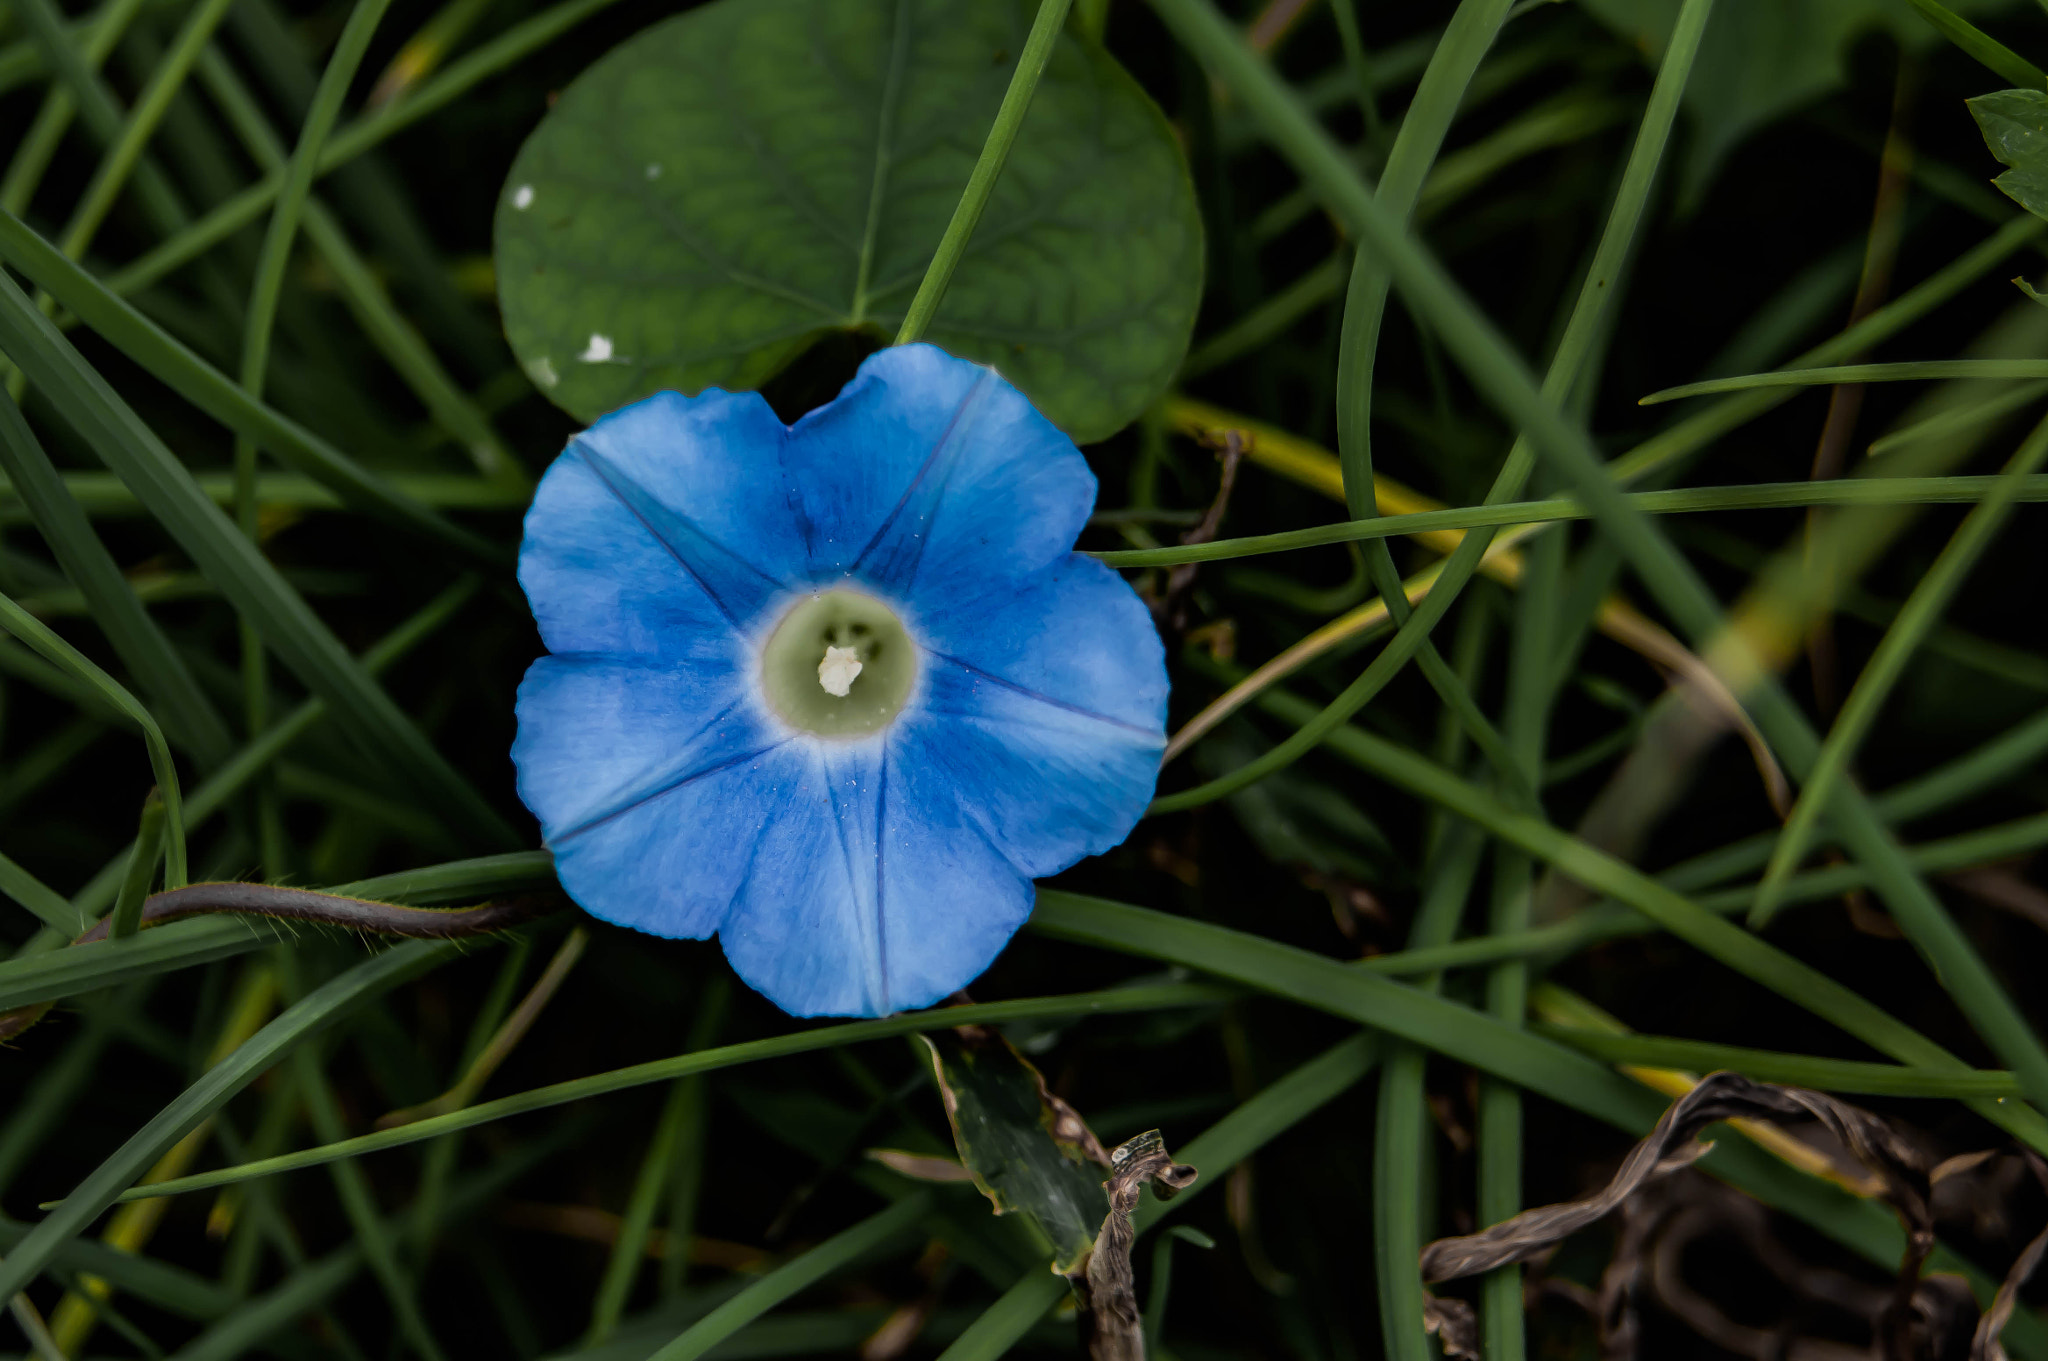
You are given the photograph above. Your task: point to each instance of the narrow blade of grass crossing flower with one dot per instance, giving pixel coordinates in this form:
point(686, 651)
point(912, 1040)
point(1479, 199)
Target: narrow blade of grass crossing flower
point(988, 167)
point(59, 653)
point(320, 1009)
point(841, 1250)
point(136, 639)
point(232, 563)
point(1930, 597)
point(205, 387)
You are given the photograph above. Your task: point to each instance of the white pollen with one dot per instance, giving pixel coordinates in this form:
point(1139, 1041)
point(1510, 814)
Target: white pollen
point(522, 197)
point(837, 671)
point(653, 170)
point(598, 350)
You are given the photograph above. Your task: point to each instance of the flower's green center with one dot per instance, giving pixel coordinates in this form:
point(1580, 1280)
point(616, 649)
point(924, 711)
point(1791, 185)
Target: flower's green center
point(839, 665)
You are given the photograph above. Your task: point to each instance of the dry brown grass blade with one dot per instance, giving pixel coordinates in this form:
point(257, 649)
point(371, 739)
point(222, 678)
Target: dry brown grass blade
point(1899, 1164)
point(1115, 1328)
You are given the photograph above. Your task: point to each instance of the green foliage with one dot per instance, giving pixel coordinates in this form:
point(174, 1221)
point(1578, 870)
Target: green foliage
point(1019, 1145)
point(1763, 59)
point(709, 200)
point(2015, 127)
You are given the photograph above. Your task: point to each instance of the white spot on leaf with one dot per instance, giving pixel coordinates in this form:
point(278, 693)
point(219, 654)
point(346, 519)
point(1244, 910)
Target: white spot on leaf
point(598, 351)
point(837, 671)
point(653, 170)
point(542, 372)
point(522, 197)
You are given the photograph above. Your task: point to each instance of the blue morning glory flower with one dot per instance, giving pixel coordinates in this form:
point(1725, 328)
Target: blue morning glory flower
point(835, 691)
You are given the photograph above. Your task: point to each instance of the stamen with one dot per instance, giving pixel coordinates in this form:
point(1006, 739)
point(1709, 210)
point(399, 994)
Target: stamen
point(836, 673)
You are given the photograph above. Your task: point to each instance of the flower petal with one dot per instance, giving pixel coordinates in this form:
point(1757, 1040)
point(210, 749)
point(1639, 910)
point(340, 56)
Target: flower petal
point(804, 930)
point(1048, 711)
point(927, 468)
point(662, 528)
point(650, 784)
point(872, 892)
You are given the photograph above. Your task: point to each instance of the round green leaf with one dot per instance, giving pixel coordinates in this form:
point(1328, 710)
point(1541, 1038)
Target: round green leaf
point(728, 186)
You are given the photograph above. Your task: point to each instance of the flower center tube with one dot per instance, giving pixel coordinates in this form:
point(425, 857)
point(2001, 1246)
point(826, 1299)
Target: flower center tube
point(839, 664)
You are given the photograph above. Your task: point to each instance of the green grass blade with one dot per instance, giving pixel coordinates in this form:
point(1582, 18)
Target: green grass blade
point(58, 974)
point(1501, 377)
point(1705, 930)
point(46, 902)
point(1441, 1025)
point(1003, 1324)
point(360, 1206)
point(402, 345)
point(141, 124)
point(1847, 491)
point(61, 654)
point(1799, 1070)
point(299, 171)
point(95, 38)
point(981, 181)
point(1920, 370)
point(358, 137)
point(1110, 1001)
point(141, 872)
point(841, 1250)
point(1695, 432)
point(245, 765)
point(1401, 1182)
point(207, 388)
point(629, 1250)
point(136, 639)
point(320, 1009)
point(232, 563)
point(1929, 599)
point(1490, 362)
point(2008, 64)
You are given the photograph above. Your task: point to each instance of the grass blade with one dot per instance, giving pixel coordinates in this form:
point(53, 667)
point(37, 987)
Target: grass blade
point(61, 654)
point(1929, 599)
point(981, 181)
point(136, 639)
point(842, 1249)
point(233, 564)
point(320, 1009)
point(207, 388)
